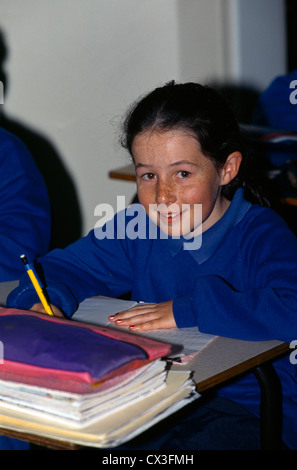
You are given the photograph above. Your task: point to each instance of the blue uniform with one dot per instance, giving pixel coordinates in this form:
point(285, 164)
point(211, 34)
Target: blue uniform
point(25, 217)
point(276, 107)
point(25, 220)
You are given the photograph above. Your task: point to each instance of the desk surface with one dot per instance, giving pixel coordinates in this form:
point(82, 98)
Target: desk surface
point(126, 172)
point(226, 358)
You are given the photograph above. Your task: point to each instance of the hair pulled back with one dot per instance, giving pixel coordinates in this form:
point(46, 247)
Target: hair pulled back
point(203, 113)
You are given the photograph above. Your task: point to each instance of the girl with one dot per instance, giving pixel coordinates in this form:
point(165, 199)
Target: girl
point(239, 281)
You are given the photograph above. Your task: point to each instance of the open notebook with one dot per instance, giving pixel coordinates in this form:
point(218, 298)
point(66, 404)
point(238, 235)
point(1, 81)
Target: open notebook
point(186, 342)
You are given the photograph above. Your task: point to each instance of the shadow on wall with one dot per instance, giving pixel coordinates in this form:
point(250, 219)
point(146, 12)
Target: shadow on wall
point(241, 98)
point(66, 216)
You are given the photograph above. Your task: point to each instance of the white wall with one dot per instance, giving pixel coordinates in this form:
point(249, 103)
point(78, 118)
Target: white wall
point(75, 65)
point(256, 41)
point(235, 41)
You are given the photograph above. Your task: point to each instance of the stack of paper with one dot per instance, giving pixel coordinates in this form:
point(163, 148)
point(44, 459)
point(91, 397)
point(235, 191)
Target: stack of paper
point(115, 428)
point(81, 409)
point(50, 382)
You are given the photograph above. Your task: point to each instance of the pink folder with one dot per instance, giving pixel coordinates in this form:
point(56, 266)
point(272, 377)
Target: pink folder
point(68, 355)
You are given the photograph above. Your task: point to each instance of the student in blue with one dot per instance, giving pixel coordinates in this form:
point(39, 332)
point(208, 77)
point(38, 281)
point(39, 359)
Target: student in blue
point(240, 282)
point(25, 220)
point(276, 107)
point(25, 213)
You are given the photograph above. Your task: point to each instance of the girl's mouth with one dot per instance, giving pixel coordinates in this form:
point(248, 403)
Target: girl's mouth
point(170, 217)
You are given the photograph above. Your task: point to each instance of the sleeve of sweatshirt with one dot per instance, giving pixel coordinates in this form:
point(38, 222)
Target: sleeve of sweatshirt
point(88, 267)
point(266, 308)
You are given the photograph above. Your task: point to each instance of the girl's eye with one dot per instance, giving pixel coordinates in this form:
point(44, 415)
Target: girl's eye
point(148, 176)
point(183, 174)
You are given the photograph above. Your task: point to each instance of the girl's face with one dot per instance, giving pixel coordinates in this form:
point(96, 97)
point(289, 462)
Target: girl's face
point(175, 181)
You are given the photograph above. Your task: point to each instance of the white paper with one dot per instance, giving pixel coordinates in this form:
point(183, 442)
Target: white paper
point(97, 310)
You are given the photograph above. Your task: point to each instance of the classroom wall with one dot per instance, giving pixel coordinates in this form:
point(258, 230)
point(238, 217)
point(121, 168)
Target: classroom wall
point(73, 67)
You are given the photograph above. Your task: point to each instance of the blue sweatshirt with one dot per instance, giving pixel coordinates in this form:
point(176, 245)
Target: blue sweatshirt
point(241, 283)
point(25, 215)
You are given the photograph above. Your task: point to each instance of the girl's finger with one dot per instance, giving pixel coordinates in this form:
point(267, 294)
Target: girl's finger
point(135, 319)
point(131, 312)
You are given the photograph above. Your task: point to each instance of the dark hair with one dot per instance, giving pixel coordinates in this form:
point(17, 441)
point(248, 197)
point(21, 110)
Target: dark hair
point(204, 113)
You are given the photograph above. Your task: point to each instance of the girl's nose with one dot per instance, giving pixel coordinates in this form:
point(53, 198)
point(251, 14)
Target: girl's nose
point(165, 193)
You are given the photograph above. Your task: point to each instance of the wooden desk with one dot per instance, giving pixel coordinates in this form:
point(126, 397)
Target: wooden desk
point(126, 173)
point(223, 360)
point(227, 358)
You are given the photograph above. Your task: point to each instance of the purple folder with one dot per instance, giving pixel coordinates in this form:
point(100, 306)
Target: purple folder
point(65, 354)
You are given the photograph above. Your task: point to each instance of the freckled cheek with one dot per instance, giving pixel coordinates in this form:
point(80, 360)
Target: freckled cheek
point(197, 195)
point(190, 194)
point(208, 201)
point(145, 195)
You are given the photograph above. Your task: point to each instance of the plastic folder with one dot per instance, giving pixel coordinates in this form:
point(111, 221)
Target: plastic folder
point(67, 355)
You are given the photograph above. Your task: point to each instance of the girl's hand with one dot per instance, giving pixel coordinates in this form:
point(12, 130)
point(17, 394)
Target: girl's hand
point(145, 317)
point(39, 309)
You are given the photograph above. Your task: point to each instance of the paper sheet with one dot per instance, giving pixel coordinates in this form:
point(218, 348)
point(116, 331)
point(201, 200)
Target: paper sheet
point(116, 428)
point(78, 410)
point(188, 341)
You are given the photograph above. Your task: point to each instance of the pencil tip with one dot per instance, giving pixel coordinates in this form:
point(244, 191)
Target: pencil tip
point(24, 259)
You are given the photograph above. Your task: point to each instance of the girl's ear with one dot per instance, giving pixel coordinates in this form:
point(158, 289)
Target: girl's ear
point(231, 168)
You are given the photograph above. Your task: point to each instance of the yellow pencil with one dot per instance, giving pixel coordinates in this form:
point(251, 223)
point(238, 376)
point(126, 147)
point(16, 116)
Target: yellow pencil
point(37, 285)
